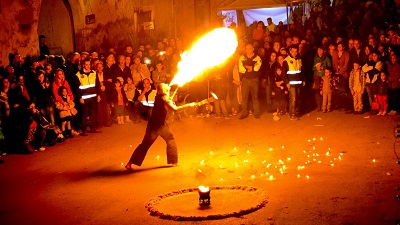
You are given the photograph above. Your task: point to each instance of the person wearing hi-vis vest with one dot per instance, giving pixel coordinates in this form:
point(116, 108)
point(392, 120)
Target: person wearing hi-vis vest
point(87, 97)
point(294, 80)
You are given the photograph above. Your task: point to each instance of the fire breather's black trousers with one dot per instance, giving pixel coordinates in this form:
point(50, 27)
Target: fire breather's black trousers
point(149, 138)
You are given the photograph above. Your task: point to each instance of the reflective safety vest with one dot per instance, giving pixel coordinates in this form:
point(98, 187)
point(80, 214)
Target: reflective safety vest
point(294, 71)
point(149, 99)
point(87, 84)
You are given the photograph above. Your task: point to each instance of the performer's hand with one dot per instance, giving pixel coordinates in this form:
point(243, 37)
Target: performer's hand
point(82, 101)
point(288, 86)
point(98, 98)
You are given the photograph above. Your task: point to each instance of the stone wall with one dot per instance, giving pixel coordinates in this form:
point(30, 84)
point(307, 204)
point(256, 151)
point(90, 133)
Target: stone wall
point(19, 23)
point(114, 23)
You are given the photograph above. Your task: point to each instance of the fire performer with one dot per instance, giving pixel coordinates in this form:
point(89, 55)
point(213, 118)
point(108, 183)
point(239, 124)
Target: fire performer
point(158, 125)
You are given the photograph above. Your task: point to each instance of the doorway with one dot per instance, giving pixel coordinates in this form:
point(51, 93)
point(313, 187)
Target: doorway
point(56, 23)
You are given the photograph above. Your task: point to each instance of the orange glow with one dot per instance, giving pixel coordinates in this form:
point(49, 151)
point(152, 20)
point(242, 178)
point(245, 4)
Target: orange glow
point(211, 50)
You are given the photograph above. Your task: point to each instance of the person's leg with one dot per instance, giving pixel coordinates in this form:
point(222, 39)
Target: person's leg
point(268, 97)
point(380, 102)
point(292, 100)
point(140, 152)
point(254, 88)
point(245, 95)
point(318, 100)
point(355, 102)
point(93, 115)
point(359, 102)
point(51, 112)
point(39, 137)
point(368, 88)
point(297, 102)
point(84, 115)
point(101, 113)
point(172, 149)
point(217, 107)
point(329, 102)
point(385, 104)
point(324, 102)
point(223, 108)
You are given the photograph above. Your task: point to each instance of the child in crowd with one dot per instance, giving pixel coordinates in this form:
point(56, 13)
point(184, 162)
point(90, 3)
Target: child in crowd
point(326, 91)
point(382, 93)
point(280, 94)
point(119, 100)
point(357, 86)
point(219, 86)
point(66, 111)
point(129, 89)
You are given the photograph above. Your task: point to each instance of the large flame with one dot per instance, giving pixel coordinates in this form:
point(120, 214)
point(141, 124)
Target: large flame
point(211, 50)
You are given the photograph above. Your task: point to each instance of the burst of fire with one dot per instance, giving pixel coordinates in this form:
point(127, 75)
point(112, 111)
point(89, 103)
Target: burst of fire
point(211, 50)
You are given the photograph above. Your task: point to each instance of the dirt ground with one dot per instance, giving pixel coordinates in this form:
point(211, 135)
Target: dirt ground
point(347, 175)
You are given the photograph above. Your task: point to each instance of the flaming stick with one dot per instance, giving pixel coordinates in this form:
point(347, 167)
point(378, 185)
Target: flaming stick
point(211, 50)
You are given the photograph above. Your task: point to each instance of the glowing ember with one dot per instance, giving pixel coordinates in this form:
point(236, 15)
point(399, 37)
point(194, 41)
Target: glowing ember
point(211, 50)
point(374, 160)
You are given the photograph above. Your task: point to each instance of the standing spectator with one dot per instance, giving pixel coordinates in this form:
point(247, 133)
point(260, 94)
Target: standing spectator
point(103, 91)
point(326, 90)
point(119, 101)
point(357, 86)
point(130, 92)
point(293, 77)
point(394, 85)
point(44, 50)
point(258, 33)
point(17, 64)
point(382, 93)
point(86, 93)
point(372, 69)
point(121, 71)
point(159, 75)
point(249, 65)
point(356, 54)
point(279, 93)
point(321, 62)
point(271, 27)
point(340, 61)
point(139, 72)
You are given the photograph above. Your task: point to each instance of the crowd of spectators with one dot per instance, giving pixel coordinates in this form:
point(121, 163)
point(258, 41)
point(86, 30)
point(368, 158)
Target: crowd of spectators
point(348, 63)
